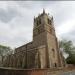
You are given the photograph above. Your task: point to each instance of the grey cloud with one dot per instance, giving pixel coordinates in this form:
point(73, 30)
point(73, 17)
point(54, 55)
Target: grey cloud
point(59, 10)
point(69, 36)
point(21, 27)
point(17, 40)
point(64, 15)
point(20, 39)
point(29, 4)
point(7, 15)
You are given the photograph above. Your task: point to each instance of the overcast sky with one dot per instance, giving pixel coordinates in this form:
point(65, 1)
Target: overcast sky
point(16, 20)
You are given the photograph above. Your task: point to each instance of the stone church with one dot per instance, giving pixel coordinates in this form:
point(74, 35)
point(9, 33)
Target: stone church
point(42, 52)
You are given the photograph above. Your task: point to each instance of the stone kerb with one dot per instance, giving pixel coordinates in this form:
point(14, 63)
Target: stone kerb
point(14, 71)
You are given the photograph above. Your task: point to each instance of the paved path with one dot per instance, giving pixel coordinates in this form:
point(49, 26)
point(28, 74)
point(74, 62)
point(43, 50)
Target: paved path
point(69, 73)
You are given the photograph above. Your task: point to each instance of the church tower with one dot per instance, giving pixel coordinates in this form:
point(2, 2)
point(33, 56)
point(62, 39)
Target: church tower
point(45, 40)
point(43, 52)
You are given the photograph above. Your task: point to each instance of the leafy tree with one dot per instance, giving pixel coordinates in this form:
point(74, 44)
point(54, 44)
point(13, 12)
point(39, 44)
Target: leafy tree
point(4, 50)
point(68, 48)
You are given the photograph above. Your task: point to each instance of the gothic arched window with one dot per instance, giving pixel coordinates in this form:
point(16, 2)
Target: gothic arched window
point(49, 21)
point(55, 65)
point(38, 22)
point(53, 52)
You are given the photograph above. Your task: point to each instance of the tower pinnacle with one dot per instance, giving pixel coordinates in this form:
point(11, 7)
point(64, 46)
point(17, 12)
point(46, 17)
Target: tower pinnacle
point(43, 11)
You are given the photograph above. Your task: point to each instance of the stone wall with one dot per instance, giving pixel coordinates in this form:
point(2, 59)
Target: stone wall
point(54, 71)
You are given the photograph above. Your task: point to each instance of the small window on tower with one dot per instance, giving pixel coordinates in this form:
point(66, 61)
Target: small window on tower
point(55, 65)
point(39, 21)
point(53, 52)
point(49, 21)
